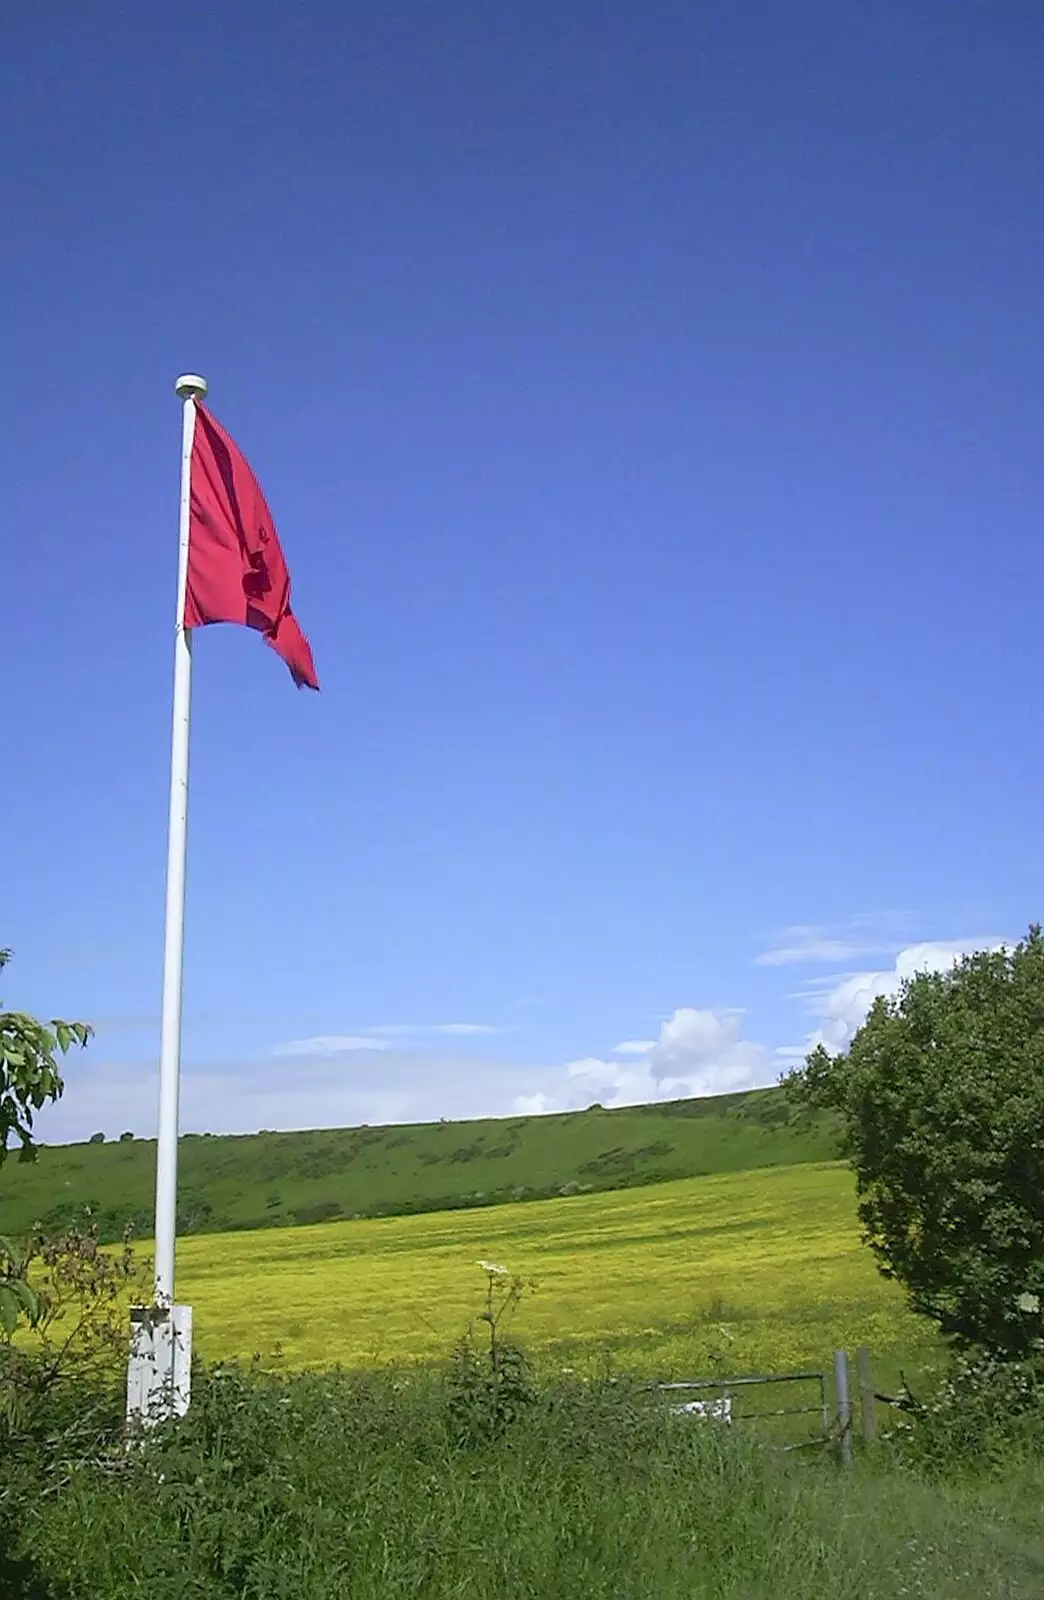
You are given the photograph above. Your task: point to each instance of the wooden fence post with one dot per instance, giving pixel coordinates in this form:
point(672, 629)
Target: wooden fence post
point(844, 1406)
point(867, 1403)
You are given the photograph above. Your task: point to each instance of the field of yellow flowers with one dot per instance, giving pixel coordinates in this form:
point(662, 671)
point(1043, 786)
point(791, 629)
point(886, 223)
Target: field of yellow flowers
point(740, 1272)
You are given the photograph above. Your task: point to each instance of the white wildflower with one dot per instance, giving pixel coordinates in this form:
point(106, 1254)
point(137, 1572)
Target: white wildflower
point(495, 1268)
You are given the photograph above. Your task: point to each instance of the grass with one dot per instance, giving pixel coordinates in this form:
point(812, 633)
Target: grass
point(271, 1180)
point(325, 1487)
point(763, 1271)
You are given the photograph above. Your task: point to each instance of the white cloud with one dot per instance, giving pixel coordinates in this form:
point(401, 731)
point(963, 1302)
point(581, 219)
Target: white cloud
point(414, 1030)
point(697, 1053)
point(342, 1080)
point(338, 1080)
point(813, 950)
point(309, 1091)
point(330, 1044)
point(532, 1105)
point(460, 1028)
point(841, 1007)
point(808, 942)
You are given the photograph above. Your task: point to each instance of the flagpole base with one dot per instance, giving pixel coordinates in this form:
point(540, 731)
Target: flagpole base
point(160, 1366)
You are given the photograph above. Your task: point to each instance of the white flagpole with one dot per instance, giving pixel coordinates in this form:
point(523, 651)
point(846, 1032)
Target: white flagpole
point(161, 1334)
point(187, 388)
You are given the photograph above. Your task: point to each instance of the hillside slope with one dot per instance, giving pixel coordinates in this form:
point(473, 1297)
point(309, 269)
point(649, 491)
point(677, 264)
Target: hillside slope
point(269, 1180)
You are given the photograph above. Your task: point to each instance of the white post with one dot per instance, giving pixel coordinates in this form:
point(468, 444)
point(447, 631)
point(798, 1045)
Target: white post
point(160, 1349)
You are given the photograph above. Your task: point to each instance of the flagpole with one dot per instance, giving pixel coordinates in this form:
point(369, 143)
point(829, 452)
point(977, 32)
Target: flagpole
point(159, 1368)
point(188, 388)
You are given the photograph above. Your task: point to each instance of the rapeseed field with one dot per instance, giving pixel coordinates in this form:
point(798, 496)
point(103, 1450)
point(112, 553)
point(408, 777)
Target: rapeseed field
point(741, 1272)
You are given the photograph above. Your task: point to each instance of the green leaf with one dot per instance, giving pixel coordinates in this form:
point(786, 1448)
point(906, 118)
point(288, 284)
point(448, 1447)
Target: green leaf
point(18, 1300)
point(9, 1310)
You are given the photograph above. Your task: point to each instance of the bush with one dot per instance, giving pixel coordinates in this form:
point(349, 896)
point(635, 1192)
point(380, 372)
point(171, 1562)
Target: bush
point(941, 1096)
point(58, 1381)
point(986, 1416)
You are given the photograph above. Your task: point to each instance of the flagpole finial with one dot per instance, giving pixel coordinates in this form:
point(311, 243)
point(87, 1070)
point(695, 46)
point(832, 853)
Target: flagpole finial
point(190, 384)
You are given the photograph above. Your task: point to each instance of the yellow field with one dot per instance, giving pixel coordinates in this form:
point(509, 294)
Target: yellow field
point(762, 1269)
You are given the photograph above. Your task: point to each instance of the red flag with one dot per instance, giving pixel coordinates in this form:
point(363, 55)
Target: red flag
point(236, 570)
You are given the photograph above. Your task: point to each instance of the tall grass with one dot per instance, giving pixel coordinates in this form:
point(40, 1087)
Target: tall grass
point(327, 1486)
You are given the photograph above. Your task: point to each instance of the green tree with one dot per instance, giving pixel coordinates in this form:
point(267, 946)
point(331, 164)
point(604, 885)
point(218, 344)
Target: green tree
point(29, 1078)
point(29, 1075)
point(941, 1099)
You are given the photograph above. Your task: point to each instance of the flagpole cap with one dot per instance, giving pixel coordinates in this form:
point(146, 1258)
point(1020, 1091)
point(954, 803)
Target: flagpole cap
point(190, 386)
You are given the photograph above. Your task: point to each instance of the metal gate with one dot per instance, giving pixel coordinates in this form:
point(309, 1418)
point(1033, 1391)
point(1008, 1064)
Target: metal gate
point(728, 1412)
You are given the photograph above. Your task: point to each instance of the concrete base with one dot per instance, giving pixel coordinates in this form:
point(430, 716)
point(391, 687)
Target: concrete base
point(159, 1372)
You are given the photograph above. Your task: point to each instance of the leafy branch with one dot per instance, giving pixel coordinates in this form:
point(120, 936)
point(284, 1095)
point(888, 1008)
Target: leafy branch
point(29, 1073)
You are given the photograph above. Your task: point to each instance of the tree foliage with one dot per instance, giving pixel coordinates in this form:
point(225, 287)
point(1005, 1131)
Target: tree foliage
point(29, 1078)
point(18, 1297)
point(941, 1097)
point(29, 1073)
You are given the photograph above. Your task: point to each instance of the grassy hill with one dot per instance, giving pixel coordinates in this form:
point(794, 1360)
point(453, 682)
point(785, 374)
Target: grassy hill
point(267, 1180)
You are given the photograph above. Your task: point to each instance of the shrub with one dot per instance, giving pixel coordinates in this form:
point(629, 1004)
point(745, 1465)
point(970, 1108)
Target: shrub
point(941, 1096)
point(986, 1414)
point(78, 1344)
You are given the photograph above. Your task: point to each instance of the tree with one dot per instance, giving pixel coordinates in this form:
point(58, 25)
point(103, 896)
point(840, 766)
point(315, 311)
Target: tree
point(941, 1097)
point(29, 1078)
point(29, 1075)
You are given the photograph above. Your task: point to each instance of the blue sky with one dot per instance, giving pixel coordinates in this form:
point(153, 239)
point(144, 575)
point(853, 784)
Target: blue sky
point(648, 397)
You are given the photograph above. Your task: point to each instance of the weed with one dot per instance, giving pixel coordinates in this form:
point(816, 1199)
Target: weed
point(488, 1388)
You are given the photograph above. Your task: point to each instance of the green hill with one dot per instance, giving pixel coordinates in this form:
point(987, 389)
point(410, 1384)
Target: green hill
point(267, 1180)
